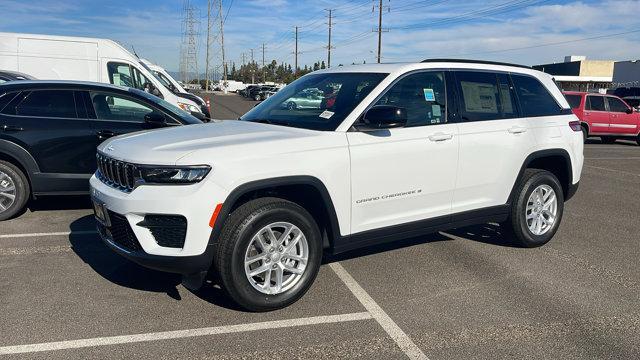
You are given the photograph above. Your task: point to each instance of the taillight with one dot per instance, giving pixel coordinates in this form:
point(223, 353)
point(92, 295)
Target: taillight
point(575, 125)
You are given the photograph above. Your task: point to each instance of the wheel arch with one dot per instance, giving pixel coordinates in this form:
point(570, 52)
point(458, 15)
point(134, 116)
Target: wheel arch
point(20, 157)
point(556, 161)
point(307, 191)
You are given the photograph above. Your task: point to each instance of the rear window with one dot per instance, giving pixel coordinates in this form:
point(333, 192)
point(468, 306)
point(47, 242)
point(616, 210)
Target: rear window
point(573, 100)
point(535, 99)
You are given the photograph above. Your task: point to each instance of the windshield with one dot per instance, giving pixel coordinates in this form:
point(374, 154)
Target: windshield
point(316, 102)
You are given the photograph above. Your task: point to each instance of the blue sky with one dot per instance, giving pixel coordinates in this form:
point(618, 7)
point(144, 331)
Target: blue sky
point(493, 29)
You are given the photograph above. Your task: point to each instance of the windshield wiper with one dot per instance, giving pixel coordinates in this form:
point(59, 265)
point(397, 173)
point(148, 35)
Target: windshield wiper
point(271, 122)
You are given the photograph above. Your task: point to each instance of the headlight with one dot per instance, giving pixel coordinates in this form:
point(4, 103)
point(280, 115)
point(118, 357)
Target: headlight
point(189, 108)
point(173, 175)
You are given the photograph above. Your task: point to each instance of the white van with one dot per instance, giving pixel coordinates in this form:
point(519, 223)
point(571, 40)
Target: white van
point(49, 57)
point(174, 86)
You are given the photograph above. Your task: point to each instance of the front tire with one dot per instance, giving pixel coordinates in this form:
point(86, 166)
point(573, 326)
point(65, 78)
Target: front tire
point(14, 190)
point(269, 254)
point(536, 210)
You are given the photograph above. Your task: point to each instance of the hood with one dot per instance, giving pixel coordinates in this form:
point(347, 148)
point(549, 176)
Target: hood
point(231, 137)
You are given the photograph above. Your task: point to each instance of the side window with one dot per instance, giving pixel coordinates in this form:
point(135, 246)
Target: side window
point(485, 96)
point(118, 108)
point(6, 99)
point(422, 95)
point(142, 82)
point(46, 103)
point(573, 100)
point(595, 103)
point(120, 74)
point(616, 105)
point(535, 99)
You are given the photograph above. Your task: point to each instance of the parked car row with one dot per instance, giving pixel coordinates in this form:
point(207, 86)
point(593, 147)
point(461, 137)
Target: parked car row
point(49, 131)
point(606, 116)
point(258, 92)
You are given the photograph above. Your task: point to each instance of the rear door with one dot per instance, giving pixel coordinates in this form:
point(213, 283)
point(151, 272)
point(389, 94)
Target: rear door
point(596, 115)
point(494, 139)
point(46, 123)
point(622, 119)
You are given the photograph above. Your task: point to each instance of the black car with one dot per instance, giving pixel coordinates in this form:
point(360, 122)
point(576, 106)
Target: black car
point(255, 93)
point(49, 131)
point(13, 76)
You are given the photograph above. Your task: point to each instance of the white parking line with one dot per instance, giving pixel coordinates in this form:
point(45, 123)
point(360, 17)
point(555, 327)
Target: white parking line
point(62, 233)
point(400, 337)
point(180, 334)
point(613, 170)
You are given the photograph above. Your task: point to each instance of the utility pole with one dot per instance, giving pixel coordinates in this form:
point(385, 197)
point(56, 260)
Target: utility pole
point(206, 69)
point(295, 69)
point(264, 74)
point(253, 75)
point(224, 65)
point(379, 30)
point(329, 46)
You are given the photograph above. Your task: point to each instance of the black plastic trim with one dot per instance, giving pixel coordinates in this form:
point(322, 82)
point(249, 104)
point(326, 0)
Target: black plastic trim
point(542, 154)
point(418, 228)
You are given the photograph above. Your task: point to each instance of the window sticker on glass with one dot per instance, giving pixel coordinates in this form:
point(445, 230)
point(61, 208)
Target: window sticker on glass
point(435, 110)
point(429, 95)
point(479, 97)
point(326, 114)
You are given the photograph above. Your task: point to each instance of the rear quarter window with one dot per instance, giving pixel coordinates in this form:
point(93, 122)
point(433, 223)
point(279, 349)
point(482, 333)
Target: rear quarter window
point(535, 99)
point(573, 100)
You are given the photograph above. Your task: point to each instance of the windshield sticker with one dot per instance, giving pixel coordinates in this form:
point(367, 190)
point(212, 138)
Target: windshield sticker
point(326, 114)
point(429, 95)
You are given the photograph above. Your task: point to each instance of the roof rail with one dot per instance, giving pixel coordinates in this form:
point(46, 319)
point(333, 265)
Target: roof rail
point(469, 61)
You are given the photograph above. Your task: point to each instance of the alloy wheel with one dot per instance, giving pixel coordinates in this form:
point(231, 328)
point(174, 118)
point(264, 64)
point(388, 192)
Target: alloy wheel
point(7, 191)
point(276, 258)
point(541, 210)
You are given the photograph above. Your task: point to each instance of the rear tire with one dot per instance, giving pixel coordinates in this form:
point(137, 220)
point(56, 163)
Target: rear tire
point(256, 270)
point(585, 134)
point(14, 190)
point(527, 212)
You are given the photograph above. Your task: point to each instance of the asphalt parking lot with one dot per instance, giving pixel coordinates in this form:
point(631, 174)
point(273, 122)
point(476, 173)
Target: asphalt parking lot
point(466, 293)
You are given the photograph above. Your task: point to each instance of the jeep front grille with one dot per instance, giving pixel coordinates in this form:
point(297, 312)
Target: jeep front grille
point(115, 173)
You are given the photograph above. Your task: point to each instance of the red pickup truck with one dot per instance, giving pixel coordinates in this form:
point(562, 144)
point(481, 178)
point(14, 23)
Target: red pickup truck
point(606, 116)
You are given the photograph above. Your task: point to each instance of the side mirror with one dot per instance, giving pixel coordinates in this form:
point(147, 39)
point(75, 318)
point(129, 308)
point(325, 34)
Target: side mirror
point(200, 116)
point(629, 111)
point(155, 120)
point(383, 117)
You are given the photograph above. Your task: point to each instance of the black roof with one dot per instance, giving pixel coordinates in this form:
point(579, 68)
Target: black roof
point(470, 61)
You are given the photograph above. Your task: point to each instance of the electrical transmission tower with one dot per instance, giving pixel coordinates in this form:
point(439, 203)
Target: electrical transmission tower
point(189, 44)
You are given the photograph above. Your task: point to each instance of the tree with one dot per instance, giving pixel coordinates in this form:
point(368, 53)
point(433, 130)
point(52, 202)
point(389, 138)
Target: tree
point(322, 65)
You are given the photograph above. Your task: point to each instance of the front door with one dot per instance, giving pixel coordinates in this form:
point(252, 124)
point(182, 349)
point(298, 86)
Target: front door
point(406, 174)
point(622, 120)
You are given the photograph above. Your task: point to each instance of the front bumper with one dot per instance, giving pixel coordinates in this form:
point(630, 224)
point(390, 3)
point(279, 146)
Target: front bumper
point(185, 265)
point(195, 202)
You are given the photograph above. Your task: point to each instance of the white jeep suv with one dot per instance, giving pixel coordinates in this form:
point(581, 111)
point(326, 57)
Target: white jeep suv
point(391, 151)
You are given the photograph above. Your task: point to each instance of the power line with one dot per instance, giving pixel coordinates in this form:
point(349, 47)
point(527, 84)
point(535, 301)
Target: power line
point(604, 36)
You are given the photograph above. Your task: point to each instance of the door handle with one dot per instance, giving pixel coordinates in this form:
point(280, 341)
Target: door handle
point(105, 134)
point(517, 130)
point(440, 137)
point(12, 128)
